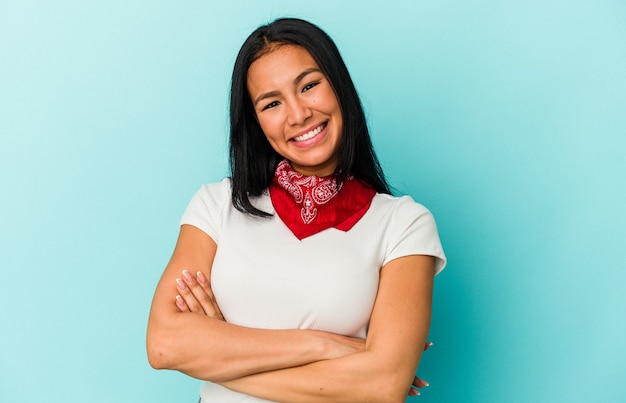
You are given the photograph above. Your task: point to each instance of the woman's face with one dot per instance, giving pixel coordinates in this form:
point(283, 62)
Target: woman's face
point(297, 109)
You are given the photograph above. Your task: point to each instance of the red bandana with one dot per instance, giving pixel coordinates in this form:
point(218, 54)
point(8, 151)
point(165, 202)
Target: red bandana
point(310, 204)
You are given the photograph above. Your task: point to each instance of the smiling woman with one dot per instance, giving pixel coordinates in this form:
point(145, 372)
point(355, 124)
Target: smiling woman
point(297, 109)
point(300, 278)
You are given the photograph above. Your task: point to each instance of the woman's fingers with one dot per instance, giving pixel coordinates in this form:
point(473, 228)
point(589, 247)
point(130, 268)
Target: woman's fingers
point(187, 301)
point(206, 286)
point(196, 297)
point(181, 304)
point(417, 383)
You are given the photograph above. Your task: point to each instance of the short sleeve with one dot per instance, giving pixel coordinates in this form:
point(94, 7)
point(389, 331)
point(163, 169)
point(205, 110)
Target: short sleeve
point(413, 231)
point(206, 208)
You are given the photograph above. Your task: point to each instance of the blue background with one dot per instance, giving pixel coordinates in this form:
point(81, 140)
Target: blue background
point(506, 119)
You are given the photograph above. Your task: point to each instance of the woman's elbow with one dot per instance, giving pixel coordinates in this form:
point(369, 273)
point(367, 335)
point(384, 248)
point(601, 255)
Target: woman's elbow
point(390, 393)
point(162, 350)
point(391, 387)
point(165, 353)
point(157, 351)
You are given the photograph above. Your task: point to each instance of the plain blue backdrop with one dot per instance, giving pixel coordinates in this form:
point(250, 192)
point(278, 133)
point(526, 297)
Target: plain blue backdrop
point(506, 119)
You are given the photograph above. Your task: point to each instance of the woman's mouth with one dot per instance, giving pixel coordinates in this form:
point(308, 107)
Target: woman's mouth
point(310, 134)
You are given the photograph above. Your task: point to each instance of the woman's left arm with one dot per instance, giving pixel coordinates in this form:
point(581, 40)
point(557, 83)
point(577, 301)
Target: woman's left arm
point(383, 372)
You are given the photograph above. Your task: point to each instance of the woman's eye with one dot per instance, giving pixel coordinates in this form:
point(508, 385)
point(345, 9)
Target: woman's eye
point(309, 86)
point(270, 105)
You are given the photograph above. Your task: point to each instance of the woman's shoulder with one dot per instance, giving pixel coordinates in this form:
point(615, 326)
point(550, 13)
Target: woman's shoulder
point(215, 192)
point(211, 196)
point(222, 186)
point(403, 205)
point(207, 206)
point(410, 228)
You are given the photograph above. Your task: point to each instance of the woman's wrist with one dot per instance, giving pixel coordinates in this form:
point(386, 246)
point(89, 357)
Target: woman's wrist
point(331, 345)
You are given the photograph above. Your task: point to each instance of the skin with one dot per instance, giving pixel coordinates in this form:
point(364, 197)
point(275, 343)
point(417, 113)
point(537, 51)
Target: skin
point(197, 297)
point(291, 98)
point(208, 348)
point(186, 331)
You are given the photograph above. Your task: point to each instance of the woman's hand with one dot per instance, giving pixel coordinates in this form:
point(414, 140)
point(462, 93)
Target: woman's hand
point(195, 295)
point(419, 382)
point(191, 335)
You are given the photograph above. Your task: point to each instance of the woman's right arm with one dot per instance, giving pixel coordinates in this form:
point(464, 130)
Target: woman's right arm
point(210, 349)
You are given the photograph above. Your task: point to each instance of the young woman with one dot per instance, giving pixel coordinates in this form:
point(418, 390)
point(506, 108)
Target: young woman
point(300, 278)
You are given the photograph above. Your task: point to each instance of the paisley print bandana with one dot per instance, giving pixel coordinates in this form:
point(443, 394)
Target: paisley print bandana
point(310, 204)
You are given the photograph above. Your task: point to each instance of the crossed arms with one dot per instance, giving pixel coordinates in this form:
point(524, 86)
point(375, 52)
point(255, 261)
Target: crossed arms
point(188, 334)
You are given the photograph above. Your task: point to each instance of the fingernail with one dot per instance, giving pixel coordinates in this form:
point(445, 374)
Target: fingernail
point(426, 383)
point(187, 275)
point(179, 300)
point(430, 344)
point(201, 277)
point(180, 283)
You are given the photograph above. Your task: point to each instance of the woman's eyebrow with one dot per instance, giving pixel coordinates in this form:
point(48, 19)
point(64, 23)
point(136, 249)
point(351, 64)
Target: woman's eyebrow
point(296, 81)
point(306, 72)
point(266, 95)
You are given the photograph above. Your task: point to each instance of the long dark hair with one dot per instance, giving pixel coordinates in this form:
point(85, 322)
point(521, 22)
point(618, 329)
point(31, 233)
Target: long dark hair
point(252, 160)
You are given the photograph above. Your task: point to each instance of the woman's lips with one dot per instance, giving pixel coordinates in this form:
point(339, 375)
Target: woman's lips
point(310, 134)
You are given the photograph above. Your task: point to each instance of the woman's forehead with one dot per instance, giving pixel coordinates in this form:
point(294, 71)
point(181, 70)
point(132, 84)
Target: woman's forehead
point(284, 63)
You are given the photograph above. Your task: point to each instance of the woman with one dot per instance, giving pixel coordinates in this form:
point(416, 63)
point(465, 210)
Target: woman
point(300, 278)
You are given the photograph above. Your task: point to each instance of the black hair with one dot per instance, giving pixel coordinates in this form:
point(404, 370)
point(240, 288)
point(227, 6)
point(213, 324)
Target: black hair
point(252, 159)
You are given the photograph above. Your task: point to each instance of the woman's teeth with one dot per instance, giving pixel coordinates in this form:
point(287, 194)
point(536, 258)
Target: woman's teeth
point(310, 134)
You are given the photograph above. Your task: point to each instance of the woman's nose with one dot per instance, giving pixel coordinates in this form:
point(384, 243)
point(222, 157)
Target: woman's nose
point(299, 112)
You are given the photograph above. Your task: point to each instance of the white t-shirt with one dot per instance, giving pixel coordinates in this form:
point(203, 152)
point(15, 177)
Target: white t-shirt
point(264, 277)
